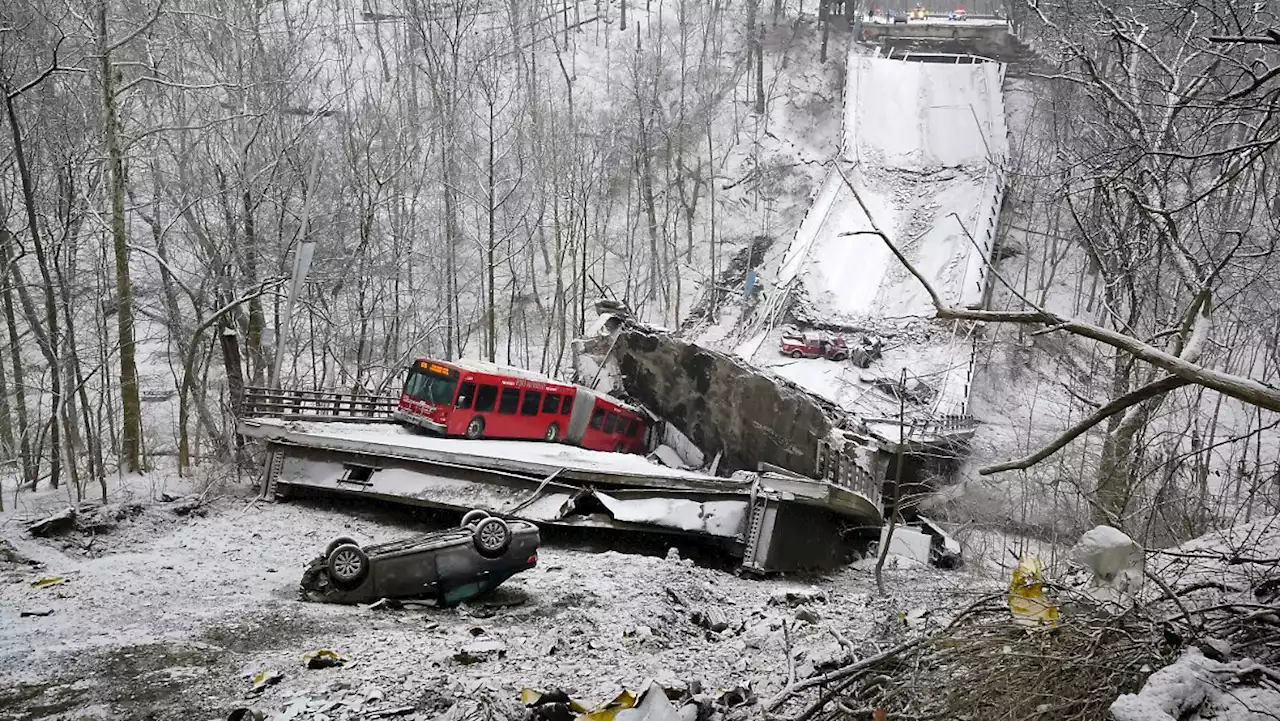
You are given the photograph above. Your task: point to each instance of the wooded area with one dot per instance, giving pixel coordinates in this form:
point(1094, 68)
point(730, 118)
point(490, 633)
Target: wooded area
point(484, 174)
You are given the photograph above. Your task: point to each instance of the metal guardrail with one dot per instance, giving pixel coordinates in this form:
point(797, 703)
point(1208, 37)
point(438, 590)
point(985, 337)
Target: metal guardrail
point(298, 405)
point(837, 465)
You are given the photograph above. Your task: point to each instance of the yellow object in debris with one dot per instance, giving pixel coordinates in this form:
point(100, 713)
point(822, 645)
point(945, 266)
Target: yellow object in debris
point(1027, 602)
point(606, 711)
point(323, 658)
point(531, 696)
point(603, 712)
point(48, 581)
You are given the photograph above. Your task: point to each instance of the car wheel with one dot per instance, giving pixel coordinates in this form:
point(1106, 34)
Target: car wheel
point(475, 429)
point(553, 433)
point(796, 354)
point(339, 541)
point(348, 565)
point(474, 516)
point(839, 357)
point(492, 537)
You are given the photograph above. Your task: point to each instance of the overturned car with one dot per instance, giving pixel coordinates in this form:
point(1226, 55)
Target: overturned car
point(452, 565)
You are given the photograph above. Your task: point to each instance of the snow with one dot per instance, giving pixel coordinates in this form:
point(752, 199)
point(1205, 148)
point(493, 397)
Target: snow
point(1107, 551)
point(167, 613)
point(1195, 687)
point(387, 438)
point(718, 518)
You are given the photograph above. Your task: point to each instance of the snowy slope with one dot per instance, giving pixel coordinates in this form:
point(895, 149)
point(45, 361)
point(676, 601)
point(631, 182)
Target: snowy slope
point(923, 148)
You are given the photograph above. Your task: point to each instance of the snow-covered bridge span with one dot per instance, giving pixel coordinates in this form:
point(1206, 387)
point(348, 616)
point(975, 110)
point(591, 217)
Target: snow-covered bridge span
point(923, 155)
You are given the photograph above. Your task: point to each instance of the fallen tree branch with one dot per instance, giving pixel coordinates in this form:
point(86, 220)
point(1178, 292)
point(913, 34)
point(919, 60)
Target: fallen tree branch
point(852, 669)
point(1242, 388)
point(1132, 398)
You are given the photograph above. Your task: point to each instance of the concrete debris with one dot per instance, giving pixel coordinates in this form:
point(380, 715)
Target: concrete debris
point(808, 615)
point(797, 597)
point(187, 505)
point(1217, 649)
point(638, 632)
point(53, 525)
point(821, 659)
point(667, 456)
point(673, 554)
point(908, 543)
point(10, 555)
point(40, 611)
point(480, 651)
point(712, 619)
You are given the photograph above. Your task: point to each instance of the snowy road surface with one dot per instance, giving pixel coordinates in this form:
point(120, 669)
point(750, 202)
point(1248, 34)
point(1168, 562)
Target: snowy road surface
point(923, 148)
point(388, 437)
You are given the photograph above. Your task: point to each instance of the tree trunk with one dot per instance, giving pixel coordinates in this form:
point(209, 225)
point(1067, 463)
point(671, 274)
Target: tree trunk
point(824, 18)
point(759, 40)
point(131, 405)
point(47, 335)
point(492, 242)
point(30, 471)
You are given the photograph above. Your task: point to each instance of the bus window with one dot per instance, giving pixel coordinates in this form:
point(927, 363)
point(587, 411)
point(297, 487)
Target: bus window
point(625, 425)
point(636, 428)
point(466, 394)
point(566, 406)
point(597, 418)
point(531, 404)
point(551, 403)
point(610, 422)
point(485, 397)
point(434, 389)
point(509, 401)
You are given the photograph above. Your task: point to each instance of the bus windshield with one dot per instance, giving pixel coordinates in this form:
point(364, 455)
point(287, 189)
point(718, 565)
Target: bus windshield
point(434, 389)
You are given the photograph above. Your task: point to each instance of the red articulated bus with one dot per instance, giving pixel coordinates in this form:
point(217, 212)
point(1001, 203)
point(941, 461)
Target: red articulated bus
point(476, 399)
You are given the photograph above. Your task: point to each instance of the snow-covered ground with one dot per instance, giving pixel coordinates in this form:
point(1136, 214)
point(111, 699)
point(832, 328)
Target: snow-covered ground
point(924, 146)
point(162, 615)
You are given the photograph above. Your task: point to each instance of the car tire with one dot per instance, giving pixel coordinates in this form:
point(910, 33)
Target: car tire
point(474, 516)
point(339, 541)
point(475, 429)
point(839, 357)
point(553, 433)
point(348, 565)
point(796, 354)
point(492, 537)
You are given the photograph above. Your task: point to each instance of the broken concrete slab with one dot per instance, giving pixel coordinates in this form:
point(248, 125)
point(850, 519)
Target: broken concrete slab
point(718, 401)
point(53, 525)
point(480, 651)
point(908, 543)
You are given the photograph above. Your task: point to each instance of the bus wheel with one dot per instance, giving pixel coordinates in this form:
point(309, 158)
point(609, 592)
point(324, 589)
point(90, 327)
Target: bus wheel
point(553, 433)
point(475, 428)
point(617, 448)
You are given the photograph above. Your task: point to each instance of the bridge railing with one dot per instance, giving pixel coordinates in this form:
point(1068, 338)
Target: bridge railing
point(308, 405)
point(839, 465)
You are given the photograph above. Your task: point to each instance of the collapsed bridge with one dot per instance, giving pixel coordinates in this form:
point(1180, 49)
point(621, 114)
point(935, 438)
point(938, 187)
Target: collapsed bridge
point(343, 445)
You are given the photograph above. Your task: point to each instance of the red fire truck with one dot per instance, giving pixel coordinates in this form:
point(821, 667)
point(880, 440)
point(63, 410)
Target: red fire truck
point(475, 399)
